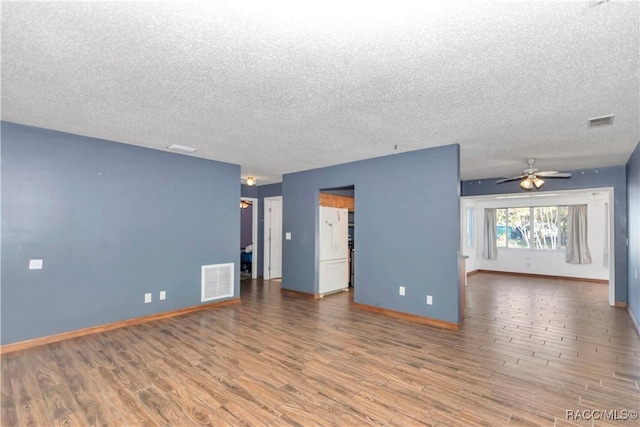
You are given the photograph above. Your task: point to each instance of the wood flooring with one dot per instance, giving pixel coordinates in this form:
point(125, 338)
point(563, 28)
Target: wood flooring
point(529, 350)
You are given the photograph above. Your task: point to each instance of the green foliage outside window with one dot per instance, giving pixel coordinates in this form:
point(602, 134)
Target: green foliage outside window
point(540, 227)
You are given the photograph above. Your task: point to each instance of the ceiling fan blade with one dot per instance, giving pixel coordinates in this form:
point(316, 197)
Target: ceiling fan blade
point(513, 178)
point(554, 174)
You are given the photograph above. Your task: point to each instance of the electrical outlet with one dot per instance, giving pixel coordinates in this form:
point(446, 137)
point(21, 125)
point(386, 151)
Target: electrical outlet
point(429, 300)
point(401, 290)
point(163, 295)
point(35, 264)
point(147, 298)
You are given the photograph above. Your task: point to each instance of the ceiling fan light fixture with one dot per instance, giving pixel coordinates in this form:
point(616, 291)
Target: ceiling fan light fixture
point(538, 182)
point(251, 181)
point(526, 184)
point(531, 177)
point(531, 181)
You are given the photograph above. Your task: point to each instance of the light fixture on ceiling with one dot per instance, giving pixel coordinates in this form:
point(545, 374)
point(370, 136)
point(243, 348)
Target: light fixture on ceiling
point(183, 148)
point(531, 181)
point(251, 181)
point(531, 177)
point(244, 204)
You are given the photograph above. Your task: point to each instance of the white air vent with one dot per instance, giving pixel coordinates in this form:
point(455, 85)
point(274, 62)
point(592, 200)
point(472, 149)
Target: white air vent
point(600, 121)
point(217, 281)
point(183, 148)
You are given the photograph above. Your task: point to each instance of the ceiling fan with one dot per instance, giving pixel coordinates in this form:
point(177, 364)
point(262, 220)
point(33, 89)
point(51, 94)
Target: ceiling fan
point(532, 177)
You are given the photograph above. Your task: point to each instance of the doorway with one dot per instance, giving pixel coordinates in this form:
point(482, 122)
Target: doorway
point(272, 237)
point(340, 198)
point(249, 237)
point(600, 202)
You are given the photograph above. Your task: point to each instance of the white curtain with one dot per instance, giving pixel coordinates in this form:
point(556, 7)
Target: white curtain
point(577, 248)
point(489, 245)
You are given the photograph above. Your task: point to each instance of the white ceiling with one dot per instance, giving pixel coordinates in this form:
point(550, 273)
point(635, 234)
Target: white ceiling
point(285, 86)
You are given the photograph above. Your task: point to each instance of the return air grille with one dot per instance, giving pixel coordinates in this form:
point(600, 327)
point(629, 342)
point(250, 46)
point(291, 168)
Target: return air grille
point(600, 121)
point(217, 281)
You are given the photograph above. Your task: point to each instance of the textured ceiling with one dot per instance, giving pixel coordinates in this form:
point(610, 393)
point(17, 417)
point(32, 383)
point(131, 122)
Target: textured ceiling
point(289, 87)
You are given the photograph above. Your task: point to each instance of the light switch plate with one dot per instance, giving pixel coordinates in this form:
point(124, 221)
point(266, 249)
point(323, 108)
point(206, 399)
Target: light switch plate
point(35, 264)
point(147, 298)
point(163, 295)
point(287, 236)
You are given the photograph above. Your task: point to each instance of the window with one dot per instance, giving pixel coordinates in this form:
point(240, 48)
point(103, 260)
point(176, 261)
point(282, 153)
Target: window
point(550, 227)
point(470, 227)
point(519, 227)
point(540, 227)
point(501, 227)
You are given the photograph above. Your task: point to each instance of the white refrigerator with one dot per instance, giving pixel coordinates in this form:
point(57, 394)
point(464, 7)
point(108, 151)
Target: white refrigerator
point(334, 250)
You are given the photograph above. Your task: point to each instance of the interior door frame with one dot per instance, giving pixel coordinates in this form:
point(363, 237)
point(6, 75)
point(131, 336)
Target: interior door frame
point(611, 219)
point(267, 241)
point(255, 209)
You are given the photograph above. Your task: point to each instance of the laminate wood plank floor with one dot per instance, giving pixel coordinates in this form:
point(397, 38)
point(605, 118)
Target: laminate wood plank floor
point(529, 350)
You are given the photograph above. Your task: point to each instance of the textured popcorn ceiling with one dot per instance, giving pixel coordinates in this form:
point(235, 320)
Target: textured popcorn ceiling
point(288, 87)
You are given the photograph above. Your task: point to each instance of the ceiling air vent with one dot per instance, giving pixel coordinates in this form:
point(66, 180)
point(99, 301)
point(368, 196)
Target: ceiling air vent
point(183, 148)
point(600, 121)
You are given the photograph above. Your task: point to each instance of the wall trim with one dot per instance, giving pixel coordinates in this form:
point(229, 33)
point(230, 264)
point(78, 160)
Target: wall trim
point(300, 294)
point(472, 272)
point(35, 342)
point(543, 276)
point(635, 321)
point(620, 304)
point(428, 321)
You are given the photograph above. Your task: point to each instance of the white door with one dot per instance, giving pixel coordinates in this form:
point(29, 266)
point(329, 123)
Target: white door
point(326, 235)
point(334, 233)
point(272, 237)
point(333, 275)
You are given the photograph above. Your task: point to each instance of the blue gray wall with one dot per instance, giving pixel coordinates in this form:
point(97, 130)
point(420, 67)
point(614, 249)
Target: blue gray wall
point(246, 191)
point(633, 194)
point(112, 222)
point(407, 228)
point(614, 176)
